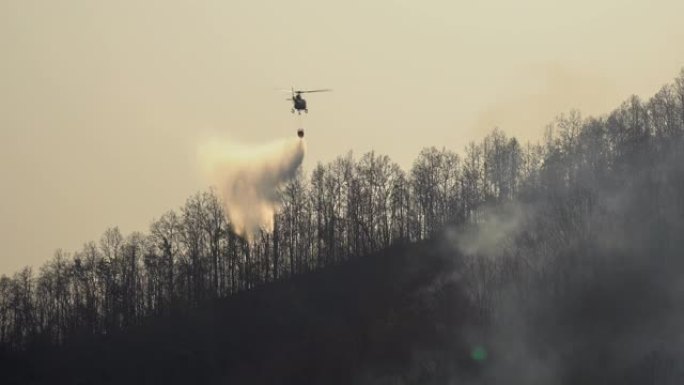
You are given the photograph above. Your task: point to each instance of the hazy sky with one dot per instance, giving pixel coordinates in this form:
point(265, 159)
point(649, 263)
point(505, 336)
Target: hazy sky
point(104, 104)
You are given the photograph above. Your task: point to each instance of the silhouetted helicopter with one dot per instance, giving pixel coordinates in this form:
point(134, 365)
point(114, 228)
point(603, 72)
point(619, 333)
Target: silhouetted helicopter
point(299, 103)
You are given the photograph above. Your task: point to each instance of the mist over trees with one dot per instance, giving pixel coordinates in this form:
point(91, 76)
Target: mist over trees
point(535, 224)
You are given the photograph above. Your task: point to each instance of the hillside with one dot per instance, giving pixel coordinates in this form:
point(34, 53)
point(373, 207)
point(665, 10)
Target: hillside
point(413, 314)
point(392, 315)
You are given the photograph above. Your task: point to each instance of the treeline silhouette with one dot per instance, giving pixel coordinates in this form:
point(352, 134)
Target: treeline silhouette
point(536, 224)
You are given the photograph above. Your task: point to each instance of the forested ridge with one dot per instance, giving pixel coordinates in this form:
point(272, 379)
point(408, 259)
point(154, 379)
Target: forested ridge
point(567, 253)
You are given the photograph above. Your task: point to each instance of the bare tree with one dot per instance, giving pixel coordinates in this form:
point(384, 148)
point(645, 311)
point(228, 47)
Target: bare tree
point(165, 235)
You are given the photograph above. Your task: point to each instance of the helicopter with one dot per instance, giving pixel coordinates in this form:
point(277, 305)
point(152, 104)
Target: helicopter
point(299, 103)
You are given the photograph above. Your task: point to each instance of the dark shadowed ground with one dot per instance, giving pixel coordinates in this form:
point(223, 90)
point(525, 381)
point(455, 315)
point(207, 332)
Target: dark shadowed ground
point(414, 314)
point(378, 319)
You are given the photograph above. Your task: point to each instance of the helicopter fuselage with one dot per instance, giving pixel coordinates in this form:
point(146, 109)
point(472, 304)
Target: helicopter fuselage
point(299, 104)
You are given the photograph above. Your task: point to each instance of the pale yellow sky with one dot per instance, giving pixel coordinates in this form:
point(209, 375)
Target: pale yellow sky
point(103, 104)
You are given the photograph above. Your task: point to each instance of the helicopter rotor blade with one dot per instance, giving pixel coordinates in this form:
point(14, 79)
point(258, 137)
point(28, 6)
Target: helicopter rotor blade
point(309, 91)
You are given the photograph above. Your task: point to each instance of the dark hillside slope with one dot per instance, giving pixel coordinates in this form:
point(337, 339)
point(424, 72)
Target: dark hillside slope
point(376, 318)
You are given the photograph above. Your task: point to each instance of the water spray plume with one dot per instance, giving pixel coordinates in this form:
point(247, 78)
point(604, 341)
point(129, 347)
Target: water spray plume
point(247, 178)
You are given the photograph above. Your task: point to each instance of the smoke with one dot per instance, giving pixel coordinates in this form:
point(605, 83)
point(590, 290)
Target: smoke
point(585, 295)
point(247, 178)
point(495, 231)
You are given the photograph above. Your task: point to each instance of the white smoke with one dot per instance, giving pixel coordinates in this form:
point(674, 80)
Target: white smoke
point(495, 230)
point(247, 178)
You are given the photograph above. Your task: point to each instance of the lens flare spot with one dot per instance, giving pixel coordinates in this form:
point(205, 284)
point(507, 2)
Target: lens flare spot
point(479, 354)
